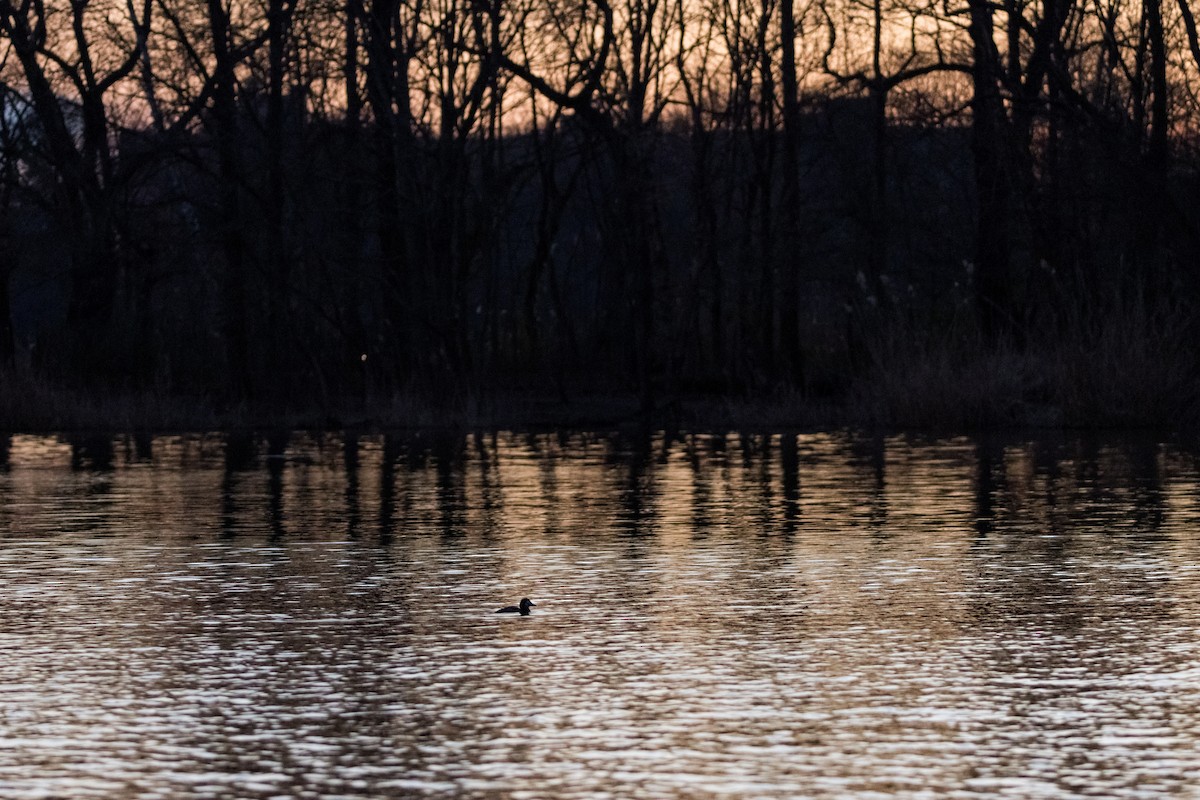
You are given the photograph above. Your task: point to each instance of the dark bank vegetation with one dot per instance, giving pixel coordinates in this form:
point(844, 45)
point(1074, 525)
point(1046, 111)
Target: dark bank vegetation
point(953, 212)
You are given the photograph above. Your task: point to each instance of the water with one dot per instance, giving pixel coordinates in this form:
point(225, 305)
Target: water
point(733, 617)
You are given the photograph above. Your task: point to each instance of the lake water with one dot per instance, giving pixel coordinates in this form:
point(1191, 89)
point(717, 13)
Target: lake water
point(821, 615)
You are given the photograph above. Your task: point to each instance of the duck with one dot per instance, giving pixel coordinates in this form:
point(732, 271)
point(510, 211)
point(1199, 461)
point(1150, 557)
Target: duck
point(522, 609)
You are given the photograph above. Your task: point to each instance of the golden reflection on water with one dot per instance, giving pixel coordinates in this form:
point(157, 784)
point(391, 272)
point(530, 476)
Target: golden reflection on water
point(743, 615)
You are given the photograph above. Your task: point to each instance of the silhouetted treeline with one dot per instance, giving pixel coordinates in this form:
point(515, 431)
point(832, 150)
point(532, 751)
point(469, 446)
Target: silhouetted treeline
point(293, 202)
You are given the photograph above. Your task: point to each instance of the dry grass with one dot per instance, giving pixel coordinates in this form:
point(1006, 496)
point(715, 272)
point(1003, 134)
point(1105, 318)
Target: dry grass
point(31, 403)
point(1128, 369)
point(935, 389)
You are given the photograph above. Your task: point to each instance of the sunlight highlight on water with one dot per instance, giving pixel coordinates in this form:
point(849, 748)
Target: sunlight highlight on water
point(739, 616)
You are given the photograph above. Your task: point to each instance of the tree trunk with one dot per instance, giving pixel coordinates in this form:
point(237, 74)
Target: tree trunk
point(388, 96)
point(767, 304)
point(278, 336)
point(357, 362)
point(639, 258)
point(82, 195)
point(878, 224)
point(8, 348)
point(1148, 238)
point(233, 245)
point(993, 238)
point(789, 202)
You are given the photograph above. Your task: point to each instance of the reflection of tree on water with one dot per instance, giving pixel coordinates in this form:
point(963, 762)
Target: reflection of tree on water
point(789, 462)
point(387, 488)
point(491, 504)
point(989, 459)
point(1060, 596)
point(450, 456)
point(240, 456)
point(405, 459)
point(1044, 535)
point(1147, 489)
point(241, 452)
point(90, 451)
point(138, 446)
point(277, 443)
point(869, 453)
point(549, 496)
point(350, 461)
point(757, 463)
point(143, 446)
point(636, 495)
point(702, 491)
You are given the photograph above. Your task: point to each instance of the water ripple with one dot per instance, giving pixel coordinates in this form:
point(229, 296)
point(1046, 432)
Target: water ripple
point(758, 617)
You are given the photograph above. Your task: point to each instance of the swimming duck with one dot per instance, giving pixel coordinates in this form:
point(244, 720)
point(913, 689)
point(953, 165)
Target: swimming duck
point(522, 609)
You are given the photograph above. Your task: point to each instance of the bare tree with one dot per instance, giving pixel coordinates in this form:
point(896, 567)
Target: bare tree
point(67, 76)
point(613, 83)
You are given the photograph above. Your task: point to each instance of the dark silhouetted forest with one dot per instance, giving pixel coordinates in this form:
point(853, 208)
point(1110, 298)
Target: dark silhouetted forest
point(922, 212)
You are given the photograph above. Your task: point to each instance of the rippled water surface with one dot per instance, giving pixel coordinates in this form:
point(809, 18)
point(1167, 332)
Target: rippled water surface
point(737, 616)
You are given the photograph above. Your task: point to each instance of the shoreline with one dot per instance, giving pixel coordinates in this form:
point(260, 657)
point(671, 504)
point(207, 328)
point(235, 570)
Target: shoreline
point(45, 409)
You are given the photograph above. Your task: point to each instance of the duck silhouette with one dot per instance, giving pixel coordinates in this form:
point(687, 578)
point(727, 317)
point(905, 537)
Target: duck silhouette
point(522, 609)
